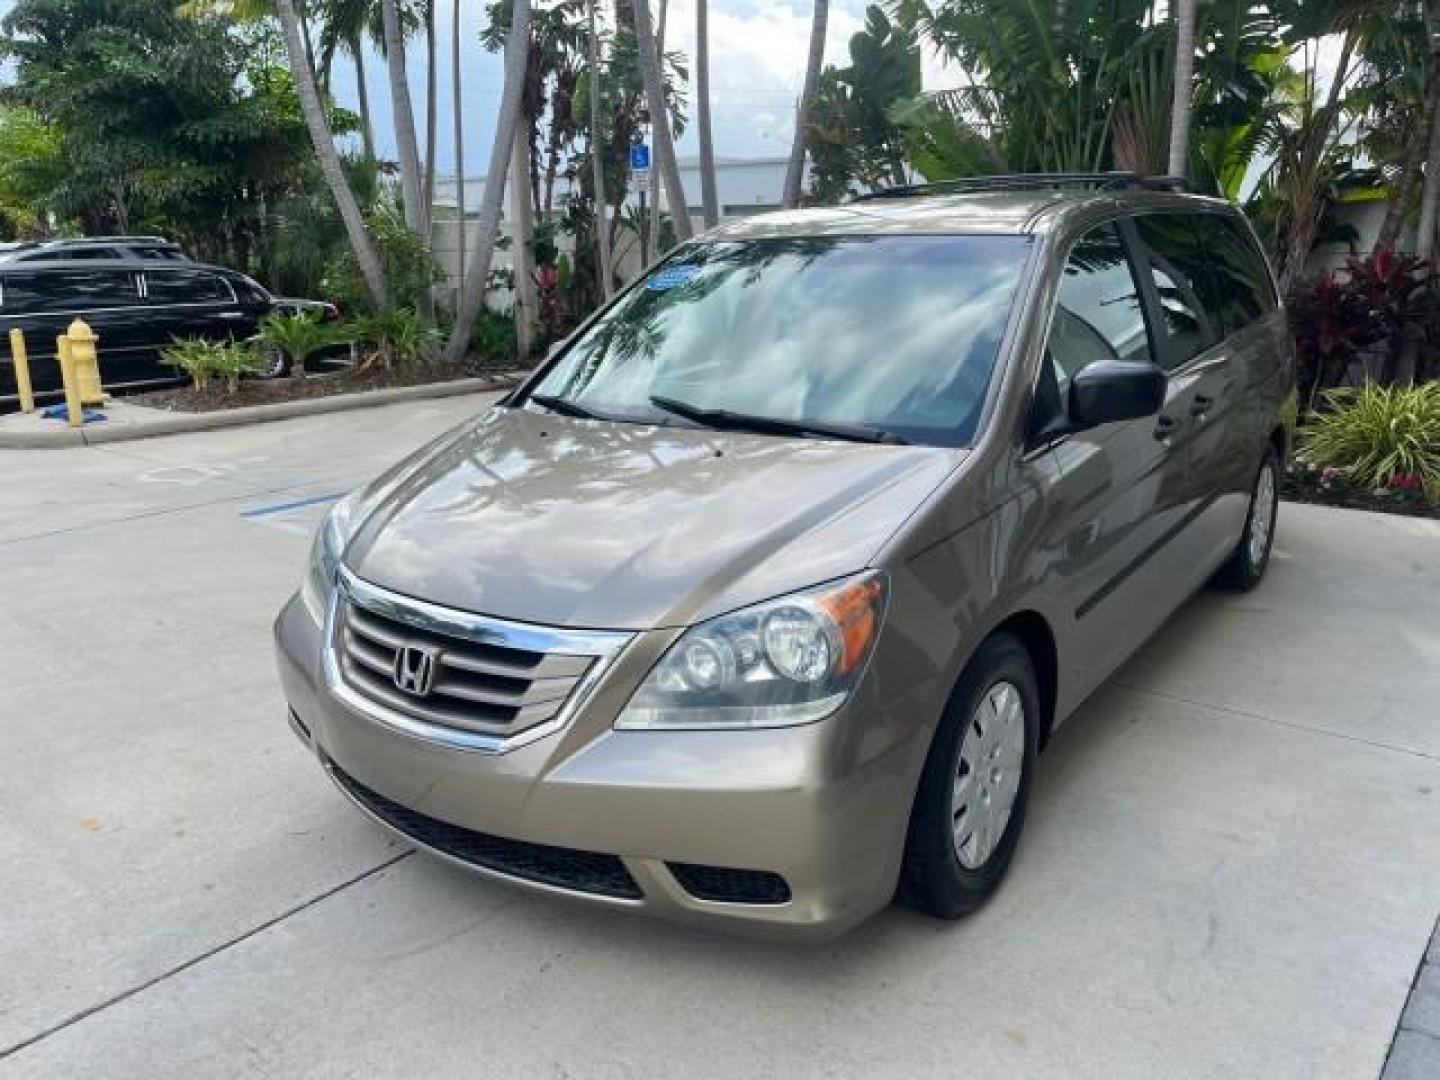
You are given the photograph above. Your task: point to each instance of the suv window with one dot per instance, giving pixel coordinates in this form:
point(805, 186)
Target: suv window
point(1241, 282)
point(1098, 316)
point(186, 287)
point(1180, 269)
point(67, 290)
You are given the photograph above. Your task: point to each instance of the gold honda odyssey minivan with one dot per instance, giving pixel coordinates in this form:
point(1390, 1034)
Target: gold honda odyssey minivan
point(756, 603)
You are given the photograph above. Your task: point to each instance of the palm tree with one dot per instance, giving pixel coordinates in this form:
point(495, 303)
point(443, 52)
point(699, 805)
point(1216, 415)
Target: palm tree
point(404, 119)
point(660, 120)
point(795, 173)
point(472, 296)
point(329, 158)
point(650, 237)
point(522, 239)
point(709, 198)
point(1184, 76)
point(1430, 189)
point(597, 165)
point(456, 88)
point(432, 108)
point(344, 26)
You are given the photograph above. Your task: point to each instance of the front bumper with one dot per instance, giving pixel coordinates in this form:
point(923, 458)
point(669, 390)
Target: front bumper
point(823, 807)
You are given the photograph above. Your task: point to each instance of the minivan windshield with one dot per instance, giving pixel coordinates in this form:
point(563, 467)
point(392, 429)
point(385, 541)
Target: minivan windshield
point(845, 336)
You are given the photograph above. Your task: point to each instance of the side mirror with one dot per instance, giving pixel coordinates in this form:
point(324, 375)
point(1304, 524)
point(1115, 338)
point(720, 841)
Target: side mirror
point(1109, 391)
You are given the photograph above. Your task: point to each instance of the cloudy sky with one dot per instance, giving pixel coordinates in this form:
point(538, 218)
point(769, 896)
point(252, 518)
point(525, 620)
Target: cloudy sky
point(757, 59)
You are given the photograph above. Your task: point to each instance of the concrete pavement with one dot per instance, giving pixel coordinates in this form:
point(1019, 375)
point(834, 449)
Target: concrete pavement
point(1231, 868)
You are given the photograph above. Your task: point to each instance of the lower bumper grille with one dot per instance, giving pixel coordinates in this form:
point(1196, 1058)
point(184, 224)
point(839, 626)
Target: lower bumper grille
point(726, 886)
point(564, 868)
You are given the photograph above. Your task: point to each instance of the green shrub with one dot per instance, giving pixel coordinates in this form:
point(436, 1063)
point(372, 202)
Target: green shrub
point(300, 336)
point(397, 336)
point(1378, 434)
point(493, 336)
point(410, 268)
point(204, 360)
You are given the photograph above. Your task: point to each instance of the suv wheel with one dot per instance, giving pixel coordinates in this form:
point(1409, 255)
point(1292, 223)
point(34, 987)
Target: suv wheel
point(1247, 563)
point(970, 808)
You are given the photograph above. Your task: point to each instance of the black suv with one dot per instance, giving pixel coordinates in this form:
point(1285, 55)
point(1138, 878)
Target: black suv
point(137, 306)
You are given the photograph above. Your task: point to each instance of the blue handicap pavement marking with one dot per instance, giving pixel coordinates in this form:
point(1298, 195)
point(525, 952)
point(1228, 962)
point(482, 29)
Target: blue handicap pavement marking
point(295, 516)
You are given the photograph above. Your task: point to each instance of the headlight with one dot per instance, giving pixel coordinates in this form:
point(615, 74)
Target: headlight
point(325, 552)
point(788, 661)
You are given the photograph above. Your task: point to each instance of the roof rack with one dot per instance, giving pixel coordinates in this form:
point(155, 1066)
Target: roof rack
point(61, 241)
point(1012, 181)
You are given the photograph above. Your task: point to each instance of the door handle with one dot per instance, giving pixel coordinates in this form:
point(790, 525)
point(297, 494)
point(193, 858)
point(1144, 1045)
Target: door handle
point(232, 314)
point(1200, 405)
point(1165, 426)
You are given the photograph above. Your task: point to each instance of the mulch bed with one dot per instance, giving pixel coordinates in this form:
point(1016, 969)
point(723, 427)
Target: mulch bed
point(326, 384)
point(1388, 501)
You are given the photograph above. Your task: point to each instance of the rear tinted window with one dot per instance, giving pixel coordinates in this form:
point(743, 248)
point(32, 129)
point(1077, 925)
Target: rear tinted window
point(1241, 280)
point(1180, 269)
point(186, 287)
point(67, 290)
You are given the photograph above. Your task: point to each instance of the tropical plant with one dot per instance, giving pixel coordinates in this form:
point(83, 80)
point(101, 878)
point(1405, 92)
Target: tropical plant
point(1378, 433)
point(299, 336)
point(397, 336)
point(795, 169)
point(861, 113)
point(709, 195)
point(471, 297)
point(597, 164)
point(203, 360)
point(367, 258)
point(405, 259)
point(664, 144)
point(1362, 314)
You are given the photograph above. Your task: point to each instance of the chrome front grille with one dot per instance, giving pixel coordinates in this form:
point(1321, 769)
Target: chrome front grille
point(486, 682)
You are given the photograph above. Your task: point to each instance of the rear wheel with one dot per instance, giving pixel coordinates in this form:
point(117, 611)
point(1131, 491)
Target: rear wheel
point(970, 808)
point(1247, 563)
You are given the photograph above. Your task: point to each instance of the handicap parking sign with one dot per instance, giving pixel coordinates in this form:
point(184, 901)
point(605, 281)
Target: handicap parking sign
point(639, 157)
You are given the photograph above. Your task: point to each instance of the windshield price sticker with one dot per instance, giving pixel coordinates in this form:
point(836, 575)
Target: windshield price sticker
point(672, 277)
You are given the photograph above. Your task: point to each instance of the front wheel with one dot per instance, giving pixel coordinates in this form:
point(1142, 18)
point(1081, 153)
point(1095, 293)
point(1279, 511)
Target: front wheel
point(1247, 563)
point(970, 808)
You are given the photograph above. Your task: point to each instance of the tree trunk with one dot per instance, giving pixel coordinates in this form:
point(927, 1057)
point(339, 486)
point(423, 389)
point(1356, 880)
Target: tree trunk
point(660, 121)
point(411, 187)
point(329, 159)
point(362, 92)
point(795, 173)
point(650, 246)
point(1183, 92)
point(597, 164)
point(1430, 187)
point(517, 50)
point(709, 197)
point(456, 90)
point(432, 112)
point(522, 238)
point(407, 147)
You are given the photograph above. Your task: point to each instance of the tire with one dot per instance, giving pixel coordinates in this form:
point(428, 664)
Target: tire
point(275, 364)
point(944, 873)
point(1246, 565)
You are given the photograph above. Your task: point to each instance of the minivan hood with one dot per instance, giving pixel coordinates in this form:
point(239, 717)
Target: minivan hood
point(568, 522)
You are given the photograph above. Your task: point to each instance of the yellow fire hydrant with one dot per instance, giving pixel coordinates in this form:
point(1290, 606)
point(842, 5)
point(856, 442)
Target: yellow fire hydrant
point(81, 343)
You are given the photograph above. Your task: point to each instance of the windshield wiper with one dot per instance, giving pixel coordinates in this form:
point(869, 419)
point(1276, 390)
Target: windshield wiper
point(566, 407)
point(734, 421)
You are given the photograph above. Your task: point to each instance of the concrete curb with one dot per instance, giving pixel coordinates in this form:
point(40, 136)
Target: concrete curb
point(159, 422)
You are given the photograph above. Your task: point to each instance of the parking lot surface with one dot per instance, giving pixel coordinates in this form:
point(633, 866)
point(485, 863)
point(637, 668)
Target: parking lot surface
point(1231, 867)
